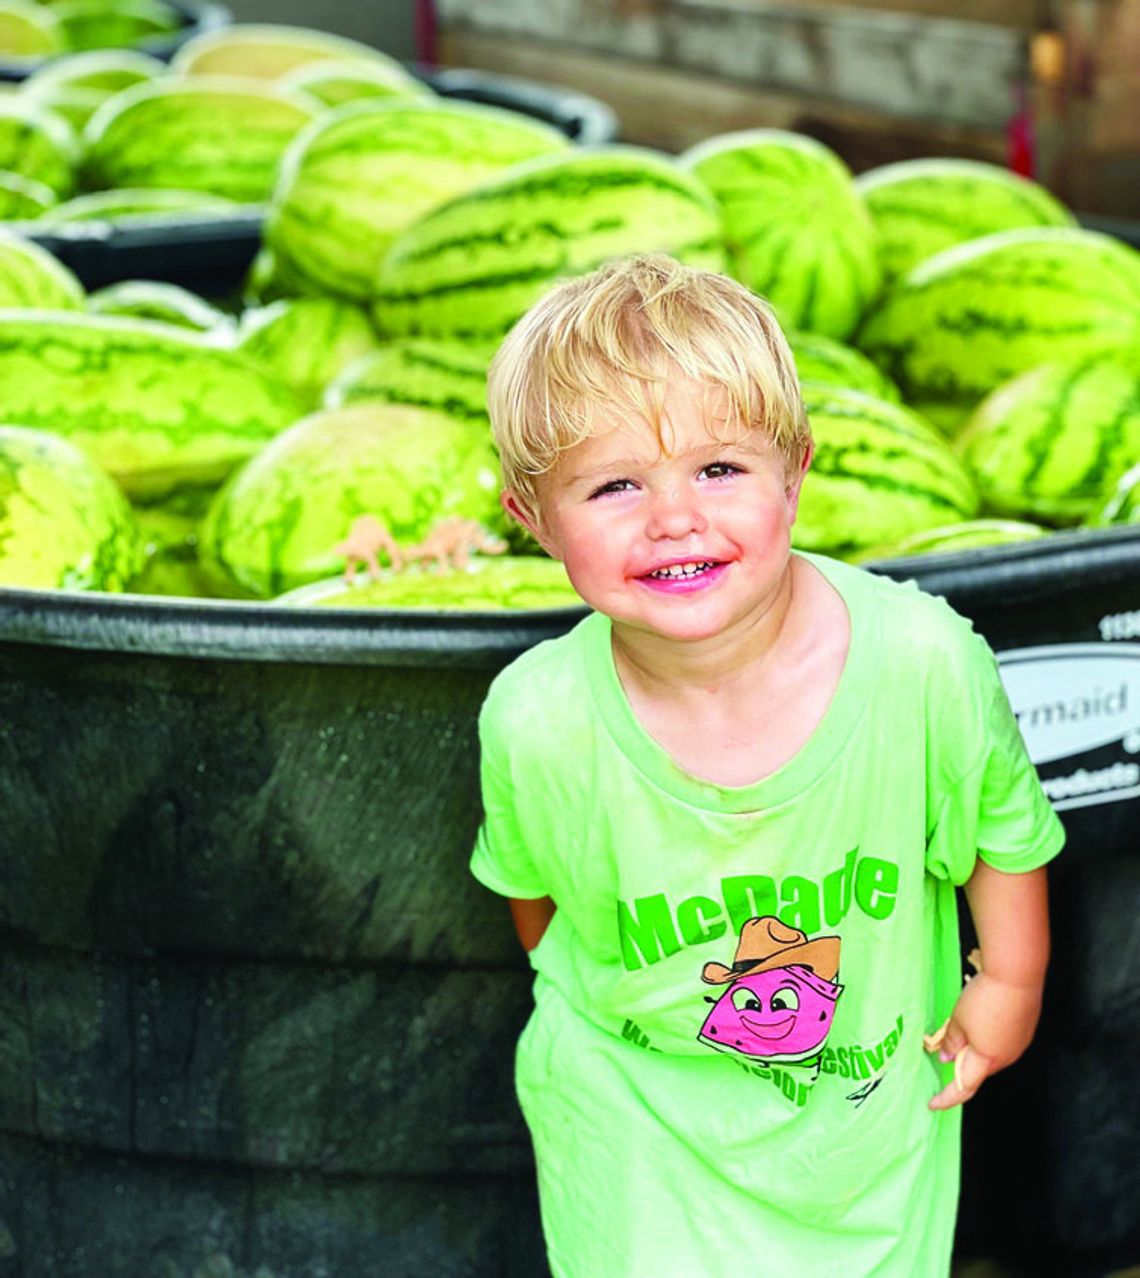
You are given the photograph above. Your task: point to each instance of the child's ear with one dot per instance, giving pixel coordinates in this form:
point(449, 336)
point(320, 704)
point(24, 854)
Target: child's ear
point(523, 512)
point(796, 479)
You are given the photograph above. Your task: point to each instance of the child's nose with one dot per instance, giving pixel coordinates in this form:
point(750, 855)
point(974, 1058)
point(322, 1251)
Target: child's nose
point(675, 513)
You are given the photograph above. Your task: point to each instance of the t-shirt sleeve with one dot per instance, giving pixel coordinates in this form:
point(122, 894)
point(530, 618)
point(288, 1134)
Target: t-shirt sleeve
point(997, 810)
point(502, 860)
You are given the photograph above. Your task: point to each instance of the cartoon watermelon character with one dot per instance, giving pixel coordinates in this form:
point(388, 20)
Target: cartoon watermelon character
point(781, 994)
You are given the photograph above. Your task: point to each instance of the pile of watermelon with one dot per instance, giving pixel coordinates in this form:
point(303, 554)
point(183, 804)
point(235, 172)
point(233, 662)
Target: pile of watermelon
point(969, 354)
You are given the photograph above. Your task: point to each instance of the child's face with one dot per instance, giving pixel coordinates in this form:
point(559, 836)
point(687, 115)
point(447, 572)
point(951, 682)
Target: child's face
point(686, 544)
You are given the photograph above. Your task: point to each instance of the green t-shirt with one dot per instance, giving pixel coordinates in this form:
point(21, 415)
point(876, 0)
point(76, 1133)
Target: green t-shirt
point(724, 1072)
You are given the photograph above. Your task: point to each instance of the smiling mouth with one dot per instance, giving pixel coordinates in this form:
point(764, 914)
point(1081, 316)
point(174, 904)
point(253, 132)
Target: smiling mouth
point(677, 572)
point(770, 1029)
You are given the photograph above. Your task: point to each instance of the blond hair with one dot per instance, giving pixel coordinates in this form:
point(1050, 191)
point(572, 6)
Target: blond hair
point(617, 337)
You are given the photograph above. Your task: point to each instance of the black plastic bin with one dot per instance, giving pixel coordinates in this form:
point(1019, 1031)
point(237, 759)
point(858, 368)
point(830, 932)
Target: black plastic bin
point(255, 1008)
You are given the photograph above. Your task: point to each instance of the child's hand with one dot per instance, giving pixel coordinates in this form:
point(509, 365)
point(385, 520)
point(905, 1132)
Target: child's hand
point(992, 1024)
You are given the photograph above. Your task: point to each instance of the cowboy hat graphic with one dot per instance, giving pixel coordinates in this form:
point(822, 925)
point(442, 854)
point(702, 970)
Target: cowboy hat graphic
point(779, 994)
point(766, 943)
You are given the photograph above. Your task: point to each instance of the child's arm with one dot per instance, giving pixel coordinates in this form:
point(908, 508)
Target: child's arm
point(997, 1012)
point(532, 918)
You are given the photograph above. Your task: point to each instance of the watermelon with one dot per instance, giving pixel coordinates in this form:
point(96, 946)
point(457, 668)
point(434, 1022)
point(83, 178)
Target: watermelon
point(975, 315)
point(37, 144)
point(880, 473)
point(823, 359)
point(969, 534)
point(267, 51)
point(266, 282)
point(22, 199)
point(334, 83)
point(797, 231)
point(1051, 443)
point(445, 375)
point(222, 135)
point(155, 406)
point(130, 206)
point(95, 24)
point(64, 524)
point(472, 267)
point(28, 32)
point(76, 86)
point(155, 300)
point(362, 173)
point(306, 341)
point(30, 276)
point(1123, 507)
point(921, 207)
point(506, 584)
point(169, 528)
point(107, 70)
point(276, 522)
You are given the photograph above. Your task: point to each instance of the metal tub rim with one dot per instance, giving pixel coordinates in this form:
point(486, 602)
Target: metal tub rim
point(264, 631)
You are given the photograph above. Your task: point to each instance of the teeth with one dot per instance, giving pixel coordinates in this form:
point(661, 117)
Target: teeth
point(681, 570)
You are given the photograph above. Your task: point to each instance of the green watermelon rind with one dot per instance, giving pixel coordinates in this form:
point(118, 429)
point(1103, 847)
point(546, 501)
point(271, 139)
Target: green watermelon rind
point(923, 206)
point(78, 532)
point(472, 266)
point(879, 473)
point(478, 588)
point(275, 523)
point(975, 315)
point(362, 173)
point(155, 406)
point(1050, 443)
point(151, 135)
point(32, 277)
point(798, 232)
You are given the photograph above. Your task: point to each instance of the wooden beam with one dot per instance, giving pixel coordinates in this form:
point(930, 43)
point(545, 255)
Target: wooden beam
point(670, 109)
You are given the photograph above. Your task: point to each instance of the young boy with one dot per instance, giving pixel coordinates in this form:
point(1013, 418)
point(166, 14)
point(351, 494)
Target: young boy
point(730, 809)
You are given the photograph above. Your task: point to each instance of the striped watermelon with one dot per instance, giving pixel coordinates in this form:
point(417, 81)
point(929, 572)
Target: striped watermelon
point(154, 406)
point(129, 206)
point(64, 524)
point(37, 144)
point(973, 316)
point(880, 473)
point(470, 268)
point(22, 199)
point(76, 86)
point(155, 300)
point(95, 24)
point(823, 359)
point(921, 207)
point(216, 134)
point(797, 231)
point(364, 172)
point(1052, 443)
point(968, 534)
point(31, 277)
point(1123, 507)
point(107, 70)
point(444, 375)
point(334, 83)
point(506, 584)
point(306, 341)
point(276, 523)
point(28, 32)
point(267, 50)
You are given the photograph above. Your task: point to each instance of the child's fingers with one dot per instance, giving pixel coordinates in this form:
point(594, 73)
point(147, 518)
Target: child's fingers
point(947, 1040)
point(971, 1069)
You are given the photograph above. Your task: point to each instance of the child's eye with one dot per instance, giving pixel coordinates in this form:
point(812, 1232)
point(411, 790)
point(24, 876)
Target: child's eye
point(720, 470)
point(614, 486)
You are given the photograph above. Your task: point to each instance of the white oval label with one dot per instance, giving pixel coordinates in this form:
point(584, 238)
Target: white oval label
point(1071, 699)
